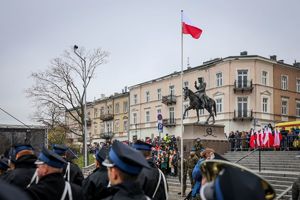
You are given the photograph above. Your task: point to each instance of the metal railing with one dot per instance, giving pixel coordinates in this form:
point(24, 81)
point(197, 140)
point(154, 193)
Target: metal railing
point(259, 157)
point(284, 192)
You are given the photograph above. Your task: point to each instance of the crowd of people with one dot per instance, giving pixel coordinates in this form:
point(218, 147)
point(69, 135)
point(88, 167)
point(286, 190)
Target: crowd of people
point(266, 138)
point(134, 170)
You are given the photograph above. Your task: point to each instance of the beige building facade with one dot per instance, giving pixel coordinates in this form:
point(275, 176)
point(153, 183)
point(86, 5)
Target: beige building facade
point(244, 88)
point(106, 116)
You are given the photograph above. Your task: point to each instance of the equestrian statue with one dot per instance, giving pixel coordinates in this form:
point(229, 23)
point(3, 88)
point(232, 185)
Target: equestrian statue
point(199, 100)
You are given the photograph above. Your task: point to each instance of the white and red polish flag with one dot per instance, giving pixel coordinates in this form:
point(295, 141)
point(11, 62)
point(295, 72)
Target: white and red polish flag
point(188, 27)
point(266, 138)
point(277, 138)
point(258, 141)
point(252, 139)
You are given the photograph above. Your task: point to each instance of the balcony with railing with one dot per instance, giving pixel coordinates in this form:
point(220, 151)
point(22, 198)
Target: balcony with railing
point(107, 135)
point(243, 115)
point(169, 122)
point(169, 99)
point(106, 116)
point(243, 86)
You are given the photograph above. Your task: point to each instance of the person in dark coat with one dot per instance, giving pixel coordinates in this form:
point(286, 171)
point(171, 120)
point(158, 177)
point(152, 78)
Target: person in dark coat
point(3, 167)
point(11, 192)
point(96, 183)
point(51, 184)
point(24, 166)
point(152, 180)
point(75, 175)
point(124, 165)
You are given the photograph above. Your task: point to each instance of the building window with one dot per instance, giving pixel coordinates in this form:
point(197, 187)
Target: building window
point(117, 108)
point(125, 126)
point(298, 108)
point(95, 112)
point(172, 89)
point(284, 106)
point(134, 118)
point(125, 106)
point(147, 116)
point(147, 96)
point(284, 82)
point(185, 84)
point(265, 105)
point(158, 111)
point(158, 94)
point(117, 125)
point(264, 76)
point(219, 105)
point(172, 115)
point(298, 85)
point(135, 99)
point(187, 112)
point(242, 78)
point(242, 106)
point(219, 78)
point(101, 110)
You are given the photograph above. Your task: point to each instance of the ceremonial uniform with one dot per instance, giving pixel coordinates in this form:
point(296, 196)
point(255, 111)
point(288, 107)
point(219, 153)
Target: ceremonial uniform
point(52, 185)
point(126, 191)
point(95, 185)
point(152, 180)
point(191, 162)
point(76, 175)
point(11, 192)
point(24, 166)
point(130, 162)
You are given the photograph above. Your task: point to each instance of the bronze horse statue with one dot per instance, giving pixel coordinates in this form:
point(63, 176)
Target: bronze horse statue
point(196, 104)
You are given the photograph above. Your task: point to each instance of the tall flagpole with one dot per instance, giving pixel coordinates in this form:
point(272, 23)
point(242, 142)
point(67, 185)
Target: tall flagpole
point(181, 133)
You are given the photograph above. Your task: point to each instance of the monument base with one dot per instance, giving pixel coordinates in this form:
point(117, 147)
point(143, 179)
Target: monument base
point(212, 136)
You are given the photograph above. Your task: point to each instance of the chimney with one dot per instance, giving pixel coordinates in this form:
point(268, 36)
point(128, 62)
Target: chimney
point(273, 57)
point(296, 64)
point(102, 96)
point(125, 88)
point(122, 90)
point(244, 53)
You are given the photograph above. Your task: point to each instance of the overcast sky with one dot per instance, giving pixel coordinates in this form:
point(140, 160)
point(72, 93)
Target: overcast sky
point(143, 38)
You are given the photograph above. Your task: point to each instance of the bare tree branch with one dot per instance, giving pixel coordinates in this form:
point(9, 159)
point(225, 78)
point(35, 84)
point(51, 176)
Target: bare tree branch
point(59, 90)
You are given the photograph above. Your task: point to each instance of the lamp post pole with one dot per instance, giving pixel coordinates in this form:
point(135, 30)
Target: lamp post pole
point(84, 108)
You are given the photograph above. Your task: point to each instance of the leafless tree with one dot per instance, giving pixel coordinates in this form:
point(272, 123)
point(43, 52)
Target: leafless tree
point(61, 87)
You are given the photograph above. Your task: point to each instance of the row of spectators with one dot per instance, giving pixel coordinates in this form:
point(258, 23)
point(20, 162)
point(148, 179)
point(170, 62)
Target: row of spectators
point(266, 138)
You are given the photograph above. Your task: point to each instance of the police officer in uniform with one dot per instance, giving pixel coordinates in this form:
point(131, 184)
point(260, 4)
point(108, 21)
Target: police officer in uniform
point(124, 165)
point(72, 172)
point(24, 166)
point(152, 180)
point(96, 183)
point(51, 183)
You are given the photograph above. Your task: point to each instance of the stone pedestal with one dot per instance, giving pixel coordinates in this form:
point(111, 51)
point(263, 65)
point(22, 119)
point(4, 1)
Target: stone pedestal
point(204, 131)
point(212, 136)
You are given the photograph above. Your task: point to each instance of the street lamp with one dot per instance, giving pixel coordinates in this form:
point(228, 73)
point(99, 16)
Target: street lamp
point(85, 154)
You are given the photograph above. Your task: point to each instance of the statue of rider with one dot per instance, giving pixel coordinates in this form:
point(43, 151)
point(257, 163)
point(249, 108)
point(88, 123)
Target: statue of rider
point(201, 91)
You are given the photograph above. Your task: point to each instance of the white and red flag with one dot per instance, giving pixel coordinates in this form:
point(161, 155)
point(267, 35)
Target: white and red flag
point(188, 27)
point(252, 139)
point(277, 138)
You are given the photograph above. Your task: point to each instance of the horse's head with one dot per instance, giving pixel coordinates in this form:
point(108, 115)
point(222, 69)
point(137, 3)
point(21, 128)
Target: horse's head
point(186, 93)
